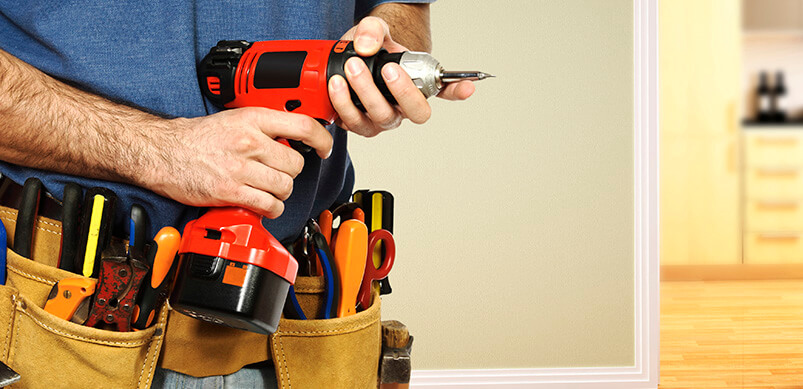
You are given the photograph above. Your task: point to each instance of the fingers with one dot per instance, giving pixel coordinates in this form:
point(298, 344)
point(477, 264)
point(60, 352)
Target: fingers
point(260, 202)
point(379, 114)
point(262, 189)
point(370, 35)
point(378, 109)
point(303, 128)
point(351, 118)
point(457, 91)
point(269, 180)
point(283, 159)
point(411, 102)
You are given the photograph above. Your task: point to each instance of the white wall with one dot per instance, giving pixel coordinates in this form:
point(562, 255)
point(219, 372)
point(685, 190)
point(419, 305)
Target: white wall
point(514, 210)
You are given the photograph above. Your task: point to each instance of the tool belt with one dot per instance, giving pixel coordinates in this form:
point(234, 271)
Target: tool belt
point(48, 351)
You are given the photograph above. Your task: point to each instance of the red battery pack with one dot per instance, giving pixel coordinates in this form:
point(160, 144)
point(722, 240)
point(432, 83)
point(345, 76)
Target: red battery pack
point(233, 272)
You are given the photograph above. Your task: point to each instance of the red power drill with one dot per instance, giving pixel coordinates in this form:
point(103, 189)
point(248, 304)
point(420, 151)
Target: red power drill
point(293, 75)
point(233, 271)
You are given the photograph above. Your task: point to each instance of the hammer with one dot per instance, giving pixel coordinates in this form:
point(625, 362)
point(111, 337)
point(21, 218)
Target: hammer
point(394, 371)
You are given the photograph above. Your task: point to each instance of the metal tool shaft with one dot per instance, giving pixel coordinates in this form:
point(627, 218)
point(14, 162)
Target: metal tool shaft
point(447, 77)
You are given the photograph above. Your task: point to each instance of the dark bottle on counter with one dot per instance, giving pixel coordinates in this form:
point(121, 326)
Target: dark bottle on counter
point(779, 99)
point(764, 96)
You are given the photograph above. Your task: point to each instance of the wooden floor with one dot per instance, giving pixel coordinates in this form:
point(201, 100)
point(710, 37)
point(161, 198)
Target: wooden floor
point(732, 334)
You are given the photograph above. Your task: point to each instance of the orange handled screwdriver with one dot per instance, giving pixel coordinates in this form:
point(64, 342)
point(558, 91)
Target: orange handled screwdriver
point(351, 249)
point(163, 266)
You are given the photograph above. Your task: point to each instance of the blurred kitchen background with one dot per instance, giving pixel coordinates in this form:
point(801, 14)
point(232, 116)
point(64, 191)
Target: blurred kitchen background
point(731, 100)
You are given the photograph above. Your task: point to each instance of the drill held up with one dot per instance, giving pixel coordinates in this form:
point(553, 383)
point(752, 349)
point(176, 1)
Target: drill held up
point(292, 75)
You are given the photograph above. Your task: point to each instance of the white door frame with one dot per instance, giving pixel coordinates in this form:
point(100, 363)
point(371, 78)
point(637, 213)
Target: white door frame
point(647, 303)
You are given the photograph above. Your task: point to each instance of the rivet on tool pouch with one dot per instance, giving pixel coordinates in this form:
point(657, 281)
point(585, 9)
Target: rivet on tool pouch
point(233, 271)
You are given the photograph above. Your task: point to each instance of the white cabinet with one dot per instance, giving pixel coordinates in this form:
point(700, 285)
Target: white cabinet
point(773, 195)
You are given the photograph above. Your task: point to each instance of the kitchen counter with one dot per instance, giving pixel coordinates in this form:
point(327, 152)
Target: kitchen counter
point(751, 125)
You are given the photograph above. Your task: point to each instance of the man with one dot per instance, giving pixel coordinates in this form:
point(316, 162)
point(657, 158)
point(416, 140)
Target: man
point(105, 94)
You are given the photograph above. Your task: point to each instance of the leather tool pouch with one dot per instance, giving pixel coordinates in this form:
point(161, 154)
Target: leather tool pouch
point(333, 353)
point(50, 352)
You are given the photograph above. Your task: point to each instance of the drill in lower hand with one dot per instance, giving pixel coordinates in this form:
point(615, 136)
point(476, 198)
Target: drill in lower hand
point(292, 75)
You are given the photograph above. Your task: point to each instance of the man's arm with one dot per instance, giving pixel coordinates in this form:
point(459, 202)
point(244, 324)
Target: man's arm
point(408, 23)
point(229, 158)
point(394, 27)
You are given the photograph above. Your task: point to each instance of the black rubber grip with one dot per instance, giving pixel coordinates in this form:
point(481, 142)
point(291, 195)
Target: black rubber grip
point(139, 221)
point(337, 65)
point(70, 225)
point(26, 217)
point(149, 298)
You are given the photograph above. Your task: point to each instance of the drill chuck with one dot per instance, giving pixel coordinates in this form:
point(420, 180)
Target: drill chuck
point(424, 70)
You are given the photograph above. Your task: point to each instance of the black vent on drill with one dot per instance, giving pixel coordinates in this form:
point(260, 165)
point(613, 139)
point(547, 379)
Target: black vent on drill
point(204, 265)
point(217, 70)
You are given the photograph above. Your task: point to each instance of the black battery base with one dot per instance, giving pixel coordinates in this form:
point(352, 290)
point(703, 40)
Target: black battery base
point(231, 293)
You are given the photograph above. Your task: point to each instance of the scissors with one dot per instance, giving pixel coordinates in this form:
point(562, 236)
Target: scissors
point(372, 273)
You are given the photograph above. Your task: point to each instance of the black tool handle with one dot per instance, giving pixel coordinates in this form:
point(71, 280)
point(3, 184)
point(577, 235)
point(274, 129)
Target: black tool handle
point(150, 299)
point(163, 267)
point(337, 65)
point(70, 226)
point(139, 225)
point(26, 217)
point(148, 296)
point(387, 224)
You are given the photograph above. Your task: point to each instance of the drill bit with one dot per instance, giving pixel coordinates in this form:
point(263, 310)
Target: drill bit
point(448, 77)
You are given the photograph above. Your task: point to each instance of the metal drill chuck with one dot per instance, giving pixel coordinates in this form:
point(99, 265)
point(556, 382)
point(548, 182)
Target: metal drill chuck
point(425, 71)
point(428, 75)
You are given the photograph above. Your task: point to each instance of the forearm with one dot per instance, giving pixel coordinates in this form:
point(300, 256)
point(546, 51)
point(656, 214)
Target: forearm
point(409, 24)
point(49, 125)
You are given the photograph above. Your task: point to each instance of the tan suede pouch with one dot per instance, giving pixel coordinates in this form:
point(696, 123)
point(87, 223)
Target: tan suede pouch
point(202, 349)
point(333, 353)
point(191, 346)
point(50, 352)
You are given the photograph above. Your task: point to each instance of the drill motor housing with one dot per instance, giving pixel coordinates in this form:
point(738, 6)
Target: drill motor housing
point(290, 75)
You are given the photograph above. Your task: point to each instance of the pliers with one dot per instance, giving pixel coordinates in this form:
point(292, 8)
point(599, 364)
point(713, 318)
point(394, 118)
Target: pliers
point(292, 310)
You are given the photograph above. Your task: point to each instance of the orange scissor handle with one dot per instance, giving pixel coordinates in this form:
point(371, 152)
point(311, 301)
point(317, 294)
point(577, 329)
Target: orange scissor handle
point(325, 222)
point(372, 273)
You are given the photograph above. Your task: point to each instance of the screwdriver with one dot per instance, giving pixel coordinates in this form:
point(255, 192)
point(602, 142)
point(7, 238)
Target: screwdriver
point(163, 267)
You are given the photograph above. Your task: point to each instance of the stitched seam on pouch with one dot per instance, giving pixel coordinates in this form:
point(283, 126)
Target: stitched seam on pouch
point(284, 357)
point(77, 337)
point(16, 330)
point(153, 361)
point(13, 218)
point(31, 276)
point(282, 364)
point(8, 332)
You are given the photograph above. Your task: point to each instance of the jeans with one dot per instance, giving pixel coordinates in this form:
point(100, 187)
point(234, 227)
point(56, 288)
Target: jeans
point(259, 375)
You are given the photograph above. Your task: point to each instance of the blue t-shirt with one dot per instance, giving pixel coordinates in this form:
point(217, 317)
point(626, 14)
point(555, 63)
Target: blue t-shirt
point(144, 54)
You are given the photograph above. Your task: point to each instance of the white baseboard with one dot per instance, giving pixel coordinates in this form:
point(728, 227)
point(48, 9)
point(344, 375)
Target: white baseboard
point(580, 378)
